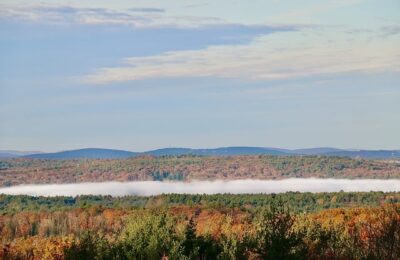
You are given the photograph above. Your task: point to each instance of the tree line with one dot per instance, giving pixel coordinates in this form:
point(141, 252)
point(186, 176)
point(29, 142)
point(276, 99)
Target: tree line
point(296, 201)
point(273, 231)
point(178, 168)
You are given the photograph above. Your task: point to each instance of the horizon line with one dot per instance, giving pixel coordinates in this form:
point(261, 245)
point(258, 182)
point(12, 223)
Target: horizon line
point(206, 148)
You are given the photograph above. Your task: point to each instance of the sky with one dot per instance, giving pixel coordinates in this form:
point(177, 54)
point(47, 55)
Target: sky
point(139, 75)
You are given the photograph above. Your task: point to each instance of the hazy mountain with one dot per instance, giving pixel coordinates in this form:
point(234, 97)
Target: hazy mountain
point(241, 150)
point(115, 154)
point(89, 153)
point(367, 154)
point(7, 155)
point(170, 151)
point(316, 151)
point(12, 153)
point(222, 151)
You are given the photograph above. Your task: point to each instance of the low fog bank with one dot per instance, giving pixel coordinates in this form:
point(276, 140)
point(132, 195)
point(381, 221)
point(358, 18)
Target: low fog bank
point(146, 188)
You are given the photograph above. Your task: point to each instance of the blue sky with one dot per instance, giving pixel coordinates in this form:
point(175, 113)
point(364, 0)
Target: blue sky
point(139, 75)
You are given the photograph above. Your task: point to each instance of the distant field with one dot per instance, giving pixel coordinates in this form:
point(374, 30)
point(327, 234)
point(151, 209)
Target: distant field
point(181, 168)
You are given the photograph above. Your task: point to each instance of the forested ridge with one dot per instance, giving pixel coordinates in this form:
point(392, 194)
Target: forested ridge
point(179, 168)
point(364, 226)
point(292, 225)
point(295, 201)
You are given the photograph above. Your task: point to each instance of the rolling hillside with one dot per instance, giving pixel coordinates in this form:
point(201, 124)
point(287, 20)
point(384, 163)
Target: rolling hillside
point(88, 153)
point(222, 151)
point(190, 167)
point(99, 153)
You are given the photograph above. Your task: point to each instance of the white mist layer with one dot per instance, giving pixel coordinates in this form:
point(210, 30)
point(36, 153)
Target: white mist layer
point(146, 188)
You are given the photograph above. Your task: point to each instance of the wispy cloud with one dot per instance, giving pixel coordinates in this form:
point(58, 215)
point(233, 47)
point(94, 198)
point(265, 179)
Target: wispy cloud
point(71, 15)
point(390, 30)
point(147, 10)
point(308, 11)
point(267, 58)
point(136, 17)
point(194, 5)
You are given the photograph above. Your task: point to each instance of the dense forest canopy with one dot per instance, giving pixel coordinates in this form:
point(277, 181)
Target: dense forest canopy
point(284, 226)
point(295, 201)
point(292, 225)
point(178, 168)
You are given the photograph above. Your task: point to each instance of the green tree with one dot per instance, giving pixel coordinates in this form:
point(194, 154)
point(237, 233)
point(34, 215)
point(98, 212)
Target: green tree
point(151, 236)
point(276, 237)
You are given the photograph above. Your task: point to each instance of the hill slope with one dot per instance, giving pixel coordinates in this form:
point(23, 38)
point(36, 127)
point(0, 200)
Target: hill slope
point(96, 153)
point(316, 151)
point(367, 154)
point(14, 154)
point(222, 151)
point(87, 153)
point(183, 168)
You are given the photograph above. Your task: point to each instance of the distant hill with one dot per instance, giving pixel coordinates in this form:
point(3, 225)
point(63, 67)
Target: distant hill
point(182, 168)
point(222, 151)
point(87, 153)
point(96, 153)
point(367, 154)
point(7, 155)
point(317, 151)
point(170, 151)
point(244, 150)
point(13, 154)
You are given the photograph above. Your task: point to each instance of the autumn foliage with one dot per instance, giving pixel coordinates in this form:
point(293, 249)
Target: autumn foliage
point(202, 232)
point(25, 171)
